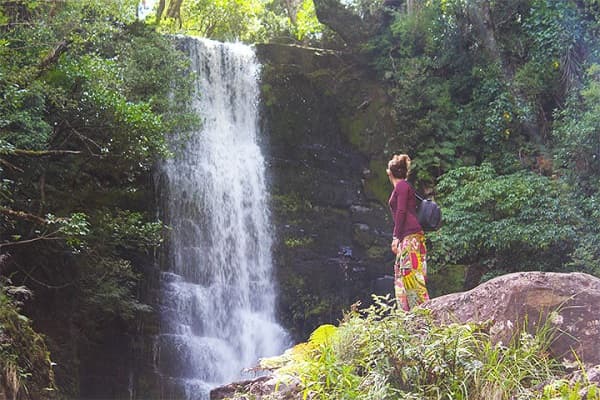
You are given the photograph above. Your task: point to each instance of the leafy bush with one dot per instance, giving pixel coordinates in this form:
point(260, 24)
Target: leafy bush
point(502, 221)
point(383, 353)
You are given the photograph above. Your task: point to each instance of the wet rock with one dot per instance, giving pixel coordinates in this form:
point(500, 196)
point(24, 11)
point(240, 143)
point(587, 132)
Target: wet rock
point(259, 387)
point(567, 302)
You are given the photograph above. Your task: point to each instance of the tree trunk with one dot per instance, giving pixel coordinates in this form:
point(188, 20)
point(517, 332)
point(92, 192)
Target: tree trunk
point(159, 10)
point(174, 9)
point(291, 6)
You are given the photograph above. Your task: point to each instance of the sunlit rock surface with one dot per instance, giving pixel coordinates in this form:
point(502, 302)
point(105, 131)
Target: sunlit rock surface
point(568, 302)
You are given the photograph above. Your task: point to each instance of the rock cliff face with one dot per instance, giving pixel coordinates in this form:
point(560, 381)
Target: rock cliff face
point(325, 117)
point(328, 123)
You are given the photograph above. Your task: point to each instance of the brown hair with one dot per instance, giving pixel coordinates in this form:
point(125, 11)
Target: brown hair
point(399, 166)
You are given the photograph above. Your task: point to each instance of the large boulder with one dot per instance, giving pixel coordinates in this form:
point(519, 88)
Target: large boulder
point(568, 302)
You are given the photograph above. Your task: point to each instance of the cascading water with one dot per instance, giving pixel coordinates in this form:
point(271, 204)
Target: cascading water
point(217, 293)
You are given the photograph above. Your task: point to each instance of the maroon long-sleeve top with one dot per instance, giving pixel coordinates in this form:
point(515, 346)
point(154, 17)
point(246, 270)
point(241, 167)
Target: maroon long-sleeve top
point(404, 210)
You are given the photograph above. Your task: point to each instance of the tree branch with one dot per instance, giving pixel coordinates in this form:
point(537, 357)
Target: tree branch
point(11, 166)
point(44, 237)
point(85, 139)
point(41, 153)
point(53, 56)
point(28, 274)
point(23, 215)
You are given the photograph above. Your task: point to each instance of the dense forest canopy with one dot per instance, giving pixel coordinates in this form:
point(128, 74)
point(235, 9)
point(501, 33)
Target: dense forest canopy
point(247, 20)
point(498, 102)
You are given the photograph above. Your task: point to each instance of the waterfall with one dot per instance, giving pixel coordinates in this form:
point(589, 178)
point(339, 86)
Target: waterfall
point(217, 292)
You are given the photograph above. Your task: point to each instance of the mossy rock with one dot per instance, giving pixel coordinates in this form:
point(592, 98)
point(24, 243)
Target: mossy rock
point(367, 121)
point(377, 185)
point(293, 242)
point(363, 236)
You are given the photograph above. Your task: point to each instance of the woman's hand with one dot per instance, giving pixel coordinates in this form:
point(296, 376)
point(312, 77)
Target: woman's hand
point(395, 244)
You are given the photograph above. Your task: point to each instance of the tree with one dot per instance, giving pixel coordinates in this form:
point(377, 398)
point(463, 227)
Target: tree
point(89, 99)
point(246, 20)
point(504, 223)
point(577, 158)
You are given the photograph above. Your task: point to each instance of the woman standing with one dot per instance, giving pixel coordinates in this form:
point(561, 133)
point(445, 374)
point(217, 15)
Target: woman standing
point(410, 268)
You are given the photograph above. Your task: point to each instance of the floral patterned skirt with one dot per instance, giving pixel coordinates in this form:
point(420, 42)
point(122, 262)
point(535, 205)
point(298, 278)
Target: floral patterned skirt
point(410, 272)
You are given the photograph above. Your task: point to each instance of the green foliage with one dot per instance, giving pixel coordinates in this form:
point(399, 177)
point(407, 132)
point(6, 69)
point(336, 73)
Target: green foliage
point(322, 335)
point(246, 20)
point(502, 221)
point(107, 287)
point(24, 359)
point(472, 98)
point(22, 109)
point(576, 153)
point(577, 134)
point(103, 92)
point(458, 104)
point(216, 19)
point(128, 230)
point(586, 255)
point(307, 25)
point(451, 104)
point(74, 229)
point(90, 98)
point(576, 388)
point(554, 27)
point(384, 353)
point(422, 99)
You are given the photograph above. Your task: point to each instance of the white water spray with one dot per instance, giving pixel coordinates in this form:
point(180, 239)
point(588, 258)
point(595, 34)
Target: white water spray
point(217, 292)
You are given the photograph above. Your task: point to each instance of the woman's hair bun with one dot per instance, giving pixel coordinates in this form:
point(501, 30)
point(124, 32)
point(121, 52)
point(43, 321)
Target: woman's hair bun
point(399, 165)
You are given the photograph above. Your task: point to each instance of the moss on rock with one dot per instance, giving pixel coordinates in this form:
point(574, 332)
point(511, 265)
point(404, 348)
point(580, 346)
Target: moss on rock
point(376, 184)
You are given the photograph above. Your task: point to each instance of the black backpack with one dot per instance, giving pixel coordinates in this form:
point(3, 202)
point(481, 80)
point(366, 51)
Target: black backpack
point(429, 214)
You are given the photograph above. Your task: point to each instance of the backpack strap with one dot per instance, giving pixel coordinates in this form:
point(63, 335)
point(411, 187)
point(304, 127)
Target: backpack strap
point(417, 195)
